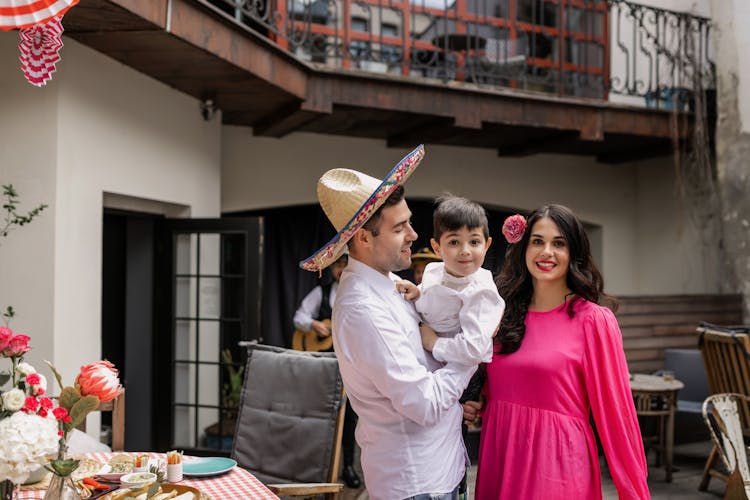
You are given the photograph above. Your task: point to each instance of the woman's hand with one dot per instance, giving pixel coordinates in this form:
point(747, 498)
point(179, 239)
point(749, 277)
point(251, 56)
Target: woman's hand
point(409, 290)
point(429, 337)
point(471, 412)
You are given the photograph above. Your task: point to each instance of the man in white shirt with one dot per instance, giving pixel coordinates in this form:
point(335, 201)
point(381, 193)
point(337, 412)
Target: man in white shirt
point(409, 415)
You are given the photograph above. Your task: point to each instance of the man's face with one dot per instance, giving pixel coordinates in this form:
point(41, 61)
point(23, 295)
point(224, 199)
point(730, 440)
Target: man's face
point(391, 248)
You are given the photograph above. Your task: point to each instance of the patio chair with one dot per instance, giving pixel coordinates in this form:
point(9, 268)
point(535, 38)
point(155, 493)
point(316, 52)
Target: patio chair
point(726, 358)
point(290, 420)
point(117, 407)
point(722, 414)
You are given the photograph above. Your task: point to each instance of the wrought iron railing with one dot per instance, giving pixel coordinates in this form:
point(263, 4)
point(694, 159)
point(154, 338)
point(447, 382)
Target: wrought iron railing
point(587, 48)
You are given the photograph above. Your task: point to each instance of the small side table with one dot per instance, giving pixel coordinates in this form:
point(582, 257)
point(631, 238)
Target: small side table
point(656, 397)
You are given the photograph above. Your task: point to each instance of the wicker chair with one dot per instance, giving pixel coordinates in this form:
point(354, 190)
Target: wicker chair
point(726, 358)
point(722, 414)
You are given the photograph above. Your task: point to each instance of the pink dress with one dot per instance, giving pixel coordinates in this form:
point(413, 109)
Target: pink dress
point(536, 441)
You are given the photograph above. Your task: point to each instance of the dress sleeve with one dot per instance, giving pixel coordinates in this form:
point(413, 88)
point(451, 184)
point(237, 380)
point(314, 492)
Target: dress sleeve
point(608, 387)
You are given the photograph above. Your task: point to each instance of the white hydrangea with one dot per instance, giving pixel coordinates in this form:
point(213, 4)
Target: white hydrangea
point(23, 369)
point(26, 441)
point(14, 399)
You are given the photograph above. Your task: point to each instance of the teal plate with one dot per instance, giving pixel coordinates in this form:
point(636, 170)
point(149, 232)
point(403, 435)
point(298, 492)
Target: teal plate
point(207, 466)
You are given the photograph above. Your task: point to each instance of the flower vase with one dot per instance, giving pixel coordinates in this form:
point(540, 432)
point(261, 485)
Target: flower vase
point(61, 485)
point(7, 490)
point(61, 488)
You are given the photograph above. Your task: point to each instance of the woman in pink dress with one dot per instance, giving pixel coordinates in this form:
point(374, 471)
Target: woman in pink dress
point(559, 359)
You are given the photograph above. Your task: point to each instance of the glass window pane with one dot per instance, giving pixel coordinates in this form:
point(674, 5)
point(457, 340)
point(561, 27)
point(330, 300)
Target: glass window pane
point(210, 253)
point(185, 245)
point(208, 384)
point(210, 298)
point(209, 342)
point(184, 300)
point(184, 427)
point(212, 434)
point(234, 253)
point(184, 348)
point(184, 383)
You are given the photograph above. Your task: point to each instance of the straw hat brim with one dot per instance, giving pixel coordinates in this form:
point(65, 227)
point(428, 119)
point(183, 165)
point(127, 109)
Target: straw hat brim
point(331, 251)
point(426, 256)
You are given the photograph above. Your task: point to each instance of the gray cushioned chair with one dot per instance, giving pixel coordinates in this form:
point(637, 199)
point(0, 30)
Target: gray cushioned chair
point(290, 420)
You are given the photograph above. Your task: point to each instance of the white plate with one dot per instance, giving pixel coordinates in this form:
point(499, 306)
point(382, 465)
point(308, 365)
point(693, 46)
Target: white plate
point(207, 466)
point(107, 475)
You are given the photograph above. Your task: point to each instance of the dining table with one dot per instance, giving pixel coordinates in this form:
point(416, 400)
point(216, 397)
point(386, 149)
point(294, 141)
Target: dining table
point(237, 483)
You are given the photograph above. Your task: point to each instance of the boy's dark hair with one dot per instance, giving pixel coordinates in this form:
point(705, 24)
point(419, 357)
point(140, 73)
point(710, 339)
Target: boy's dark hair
point(453, 213)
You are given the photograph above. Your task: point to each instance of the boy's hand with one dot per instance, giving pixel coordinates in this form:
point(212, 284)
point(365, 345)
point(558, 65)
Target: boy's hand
point(408, 289)
point(471, 412)
point(429, 337)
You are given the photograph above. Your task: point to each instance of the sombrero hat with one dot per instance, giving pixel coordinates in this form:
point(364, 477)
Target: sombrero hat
point(349, 198)
point(425, 253)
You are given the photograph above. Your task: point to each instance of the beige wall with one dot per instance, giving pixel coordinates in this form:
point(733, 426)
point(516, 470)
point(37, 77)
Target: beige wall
point(97, 127)
point(634, 203)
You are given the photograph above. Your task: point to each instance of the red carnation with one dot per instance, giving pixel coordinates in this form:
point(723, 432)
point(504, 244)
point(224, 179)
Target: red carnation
point(60, 413)
point(513, 228)
point(33, 379)
point(31, 404)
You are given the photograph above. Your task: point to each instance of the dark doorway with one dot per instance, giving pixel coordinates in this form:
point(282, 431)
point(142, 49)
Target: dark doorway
point(128, 316)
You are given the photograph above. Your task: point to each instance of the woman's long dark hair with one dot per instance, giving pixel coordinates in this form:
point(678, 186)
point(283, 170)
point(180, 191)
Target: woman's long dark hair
point(514, 281)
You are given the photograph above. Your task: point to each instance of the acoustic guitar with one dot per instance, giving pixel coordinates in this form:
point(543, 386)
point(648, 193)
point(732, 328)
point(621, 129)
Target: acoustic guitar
point(311, 341)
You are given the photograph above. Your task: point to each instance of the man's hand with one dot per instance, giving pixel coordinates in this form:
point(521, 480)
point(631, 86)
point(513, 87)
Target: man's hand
point(408, 289)
point(429, 337)
point(471, 412)
point(320, 328)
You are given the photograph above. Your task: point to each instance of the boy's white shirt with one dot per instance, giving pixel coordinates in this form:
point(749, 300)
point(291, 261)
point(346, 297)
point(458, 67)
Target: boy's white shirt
point(464, 312)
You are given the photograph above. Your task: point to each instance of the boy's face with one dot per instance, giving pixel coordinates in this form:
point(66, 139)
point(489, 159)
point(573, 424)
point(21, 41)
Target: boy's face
point(462, 250)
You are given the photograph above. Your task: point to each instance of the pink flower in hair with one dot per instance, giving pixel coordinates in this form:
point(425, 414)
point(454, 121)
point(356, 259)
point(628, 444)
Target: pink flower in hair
point(513, 228)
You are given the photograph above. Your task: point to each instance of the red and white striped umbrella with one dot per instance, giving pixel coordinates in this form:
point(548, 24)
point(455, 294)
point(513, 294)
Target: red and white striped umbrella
point(24, 13)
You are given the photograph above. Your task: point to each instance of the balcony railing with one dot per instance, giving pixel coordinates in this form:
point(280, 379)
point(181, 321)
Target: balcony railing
point(585, 48)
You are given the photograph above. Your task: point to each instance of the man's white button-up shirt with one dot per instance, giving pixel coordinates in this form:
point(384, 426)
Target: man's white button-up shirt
point(409, 426)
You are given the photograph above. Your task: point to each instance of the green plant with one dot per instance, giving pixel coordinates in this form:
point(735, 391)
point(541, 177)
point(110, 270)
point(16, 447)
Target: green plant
point(232, 390)
point(11, 219)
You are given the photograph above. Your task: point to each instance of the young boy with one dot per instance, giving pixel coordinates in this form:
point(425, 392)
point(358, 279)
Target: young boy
point(457, 298)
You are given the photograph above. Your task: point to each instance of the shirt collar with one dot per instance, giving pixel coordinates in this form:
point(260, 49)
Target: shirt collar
point(382, 284)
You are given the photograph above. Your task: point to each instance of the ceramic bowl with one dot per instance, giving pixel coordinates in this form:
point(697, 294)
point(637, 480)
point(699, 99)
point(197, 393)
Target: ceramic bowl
point(137, 479)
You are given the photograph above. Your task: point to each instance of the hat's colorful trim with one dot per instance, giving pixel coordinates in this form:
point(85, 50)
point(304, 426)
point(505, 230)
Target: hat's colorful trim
point(323, 257)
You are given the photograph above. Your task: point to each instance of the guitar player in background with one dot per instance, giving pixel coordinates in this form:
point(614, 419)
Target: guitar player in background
point(314, 315)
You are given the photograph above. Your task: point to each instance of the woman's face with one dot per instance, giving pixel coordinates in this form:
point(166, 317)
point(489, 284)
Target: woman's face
point(547, 253)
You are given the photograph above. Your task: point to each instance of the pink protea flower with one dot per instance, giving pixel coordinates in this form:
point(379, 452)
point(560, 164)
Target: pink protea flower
point(513, 228)
point(99, 379)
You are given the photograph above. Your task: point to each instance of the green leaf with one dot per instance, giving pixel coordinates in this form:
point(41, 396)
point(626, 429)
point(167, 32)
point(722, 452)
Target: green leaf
point(80, 409)
point(68, 397)
point(152, 490)
point(4, 377)
point(56, 373)
point(63, 468)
